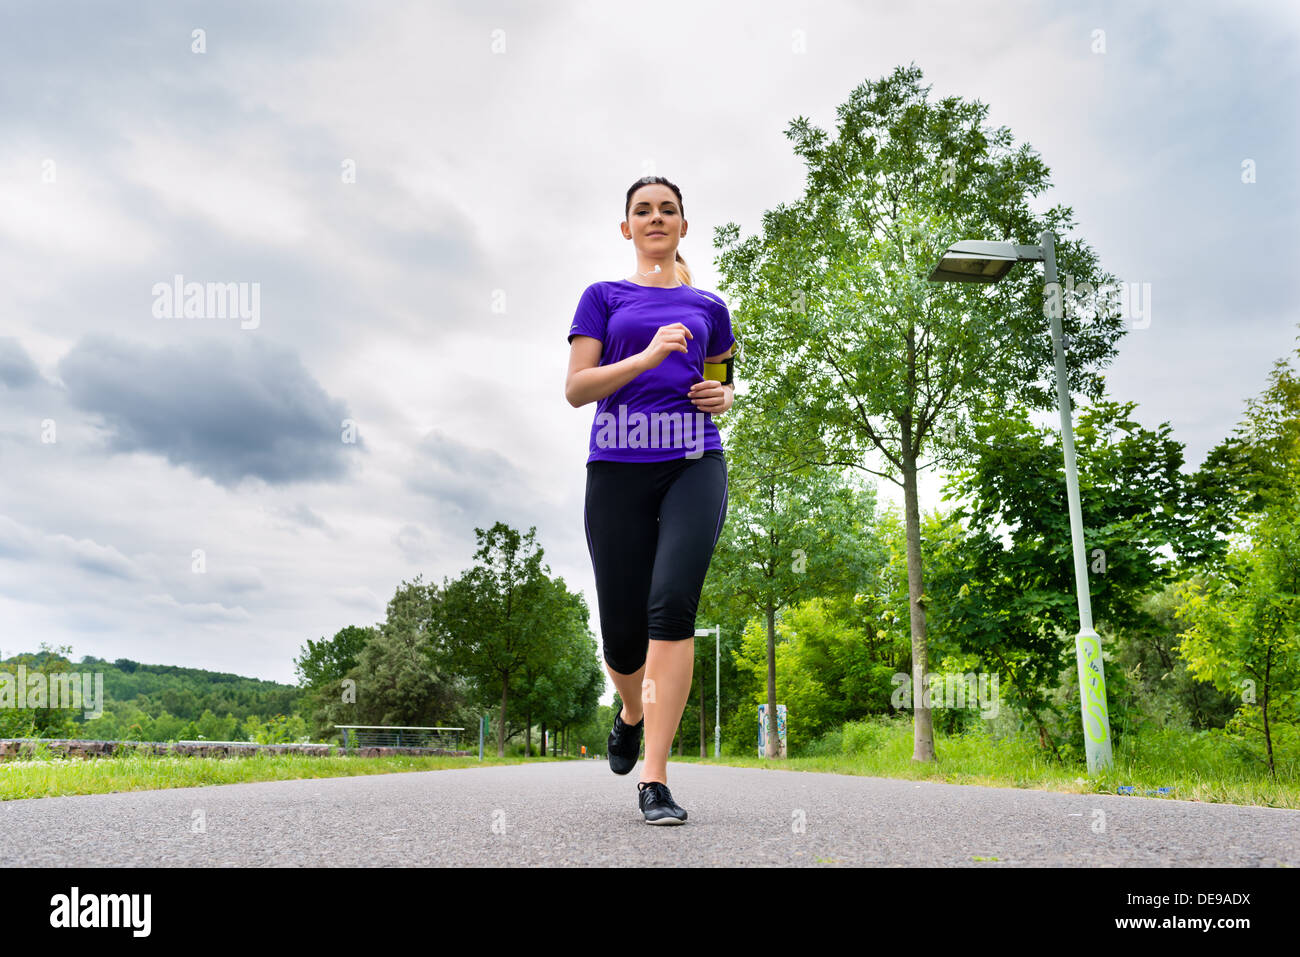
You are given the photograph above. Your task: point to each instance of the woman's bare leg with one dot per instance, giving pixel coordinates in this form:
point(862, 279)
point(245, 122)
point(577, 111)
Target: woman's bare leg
point(629, 689)
point(668, 670)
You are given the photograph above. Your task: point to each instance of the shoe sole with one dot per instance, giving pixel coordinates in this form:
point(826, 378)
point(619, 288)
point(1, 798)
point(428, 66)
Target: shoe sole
point(666, 820)
point(618, 757)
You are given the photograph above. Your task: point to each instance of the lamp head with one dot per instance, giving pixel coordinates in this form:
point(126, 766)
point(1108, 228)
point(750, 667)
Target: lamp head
point(975, 261)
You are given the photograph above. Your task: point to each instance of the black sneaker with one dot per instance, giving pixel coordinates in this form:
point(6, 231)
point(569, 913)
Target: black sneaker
point(657, 804)
point(624, 744)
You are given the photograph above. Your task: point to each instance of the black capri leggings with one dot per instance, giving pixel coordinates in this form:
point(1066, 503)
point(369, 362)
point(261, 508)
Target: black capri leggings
point(651, 530)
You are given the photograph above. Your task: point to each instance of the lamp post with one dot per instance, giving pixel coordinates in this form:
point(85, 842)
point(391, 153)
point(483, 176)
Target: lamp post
point(717, 688)
point(979, 261)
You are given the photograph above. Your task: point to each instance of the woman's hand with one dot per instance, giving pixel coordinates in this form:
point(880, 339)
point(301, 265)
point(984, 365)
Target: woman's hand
point(669, 338)
point(712, 396)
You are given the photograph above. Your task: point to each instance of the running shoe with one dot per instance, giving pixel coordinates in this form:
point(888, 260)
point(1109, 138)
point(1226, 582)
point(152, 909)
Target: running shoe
point(657, 804)
point(624, 744)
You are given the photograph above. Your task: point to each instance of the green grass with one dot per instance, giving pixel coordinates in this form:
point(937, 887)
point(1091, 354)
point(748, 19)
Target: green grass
point(52, 775)
point(1199, 766)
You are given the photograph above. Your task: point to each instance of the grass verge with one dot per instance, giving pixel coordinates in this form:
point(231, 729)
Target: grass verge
point(52, 775)
point(1195, 766)
point(1211, 766)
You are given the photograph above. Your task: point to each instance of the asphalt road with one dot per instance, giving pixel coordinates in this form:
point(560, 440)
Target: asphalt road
point(580, 813)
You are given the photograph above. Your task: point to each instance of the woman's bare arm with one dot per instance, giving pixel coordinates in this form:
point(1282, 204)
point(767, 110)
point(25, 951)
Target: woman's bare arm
point(588, 381)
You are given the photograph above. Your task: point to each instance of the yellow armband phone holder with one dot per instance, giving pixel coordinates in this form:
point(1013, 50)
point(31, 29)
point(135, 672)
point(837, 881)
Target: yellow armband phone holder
point(721, 371)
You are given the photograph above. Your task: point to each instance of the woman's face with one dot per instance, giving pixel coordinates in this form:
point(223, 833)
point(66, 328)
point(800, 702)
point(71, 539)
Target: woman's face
point(654, 221)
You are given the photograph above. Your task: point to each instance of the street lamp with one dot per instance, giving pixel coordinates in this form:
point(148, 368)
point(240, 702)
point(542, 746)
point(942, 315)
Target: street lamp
point(980, 261)
point(717, 691)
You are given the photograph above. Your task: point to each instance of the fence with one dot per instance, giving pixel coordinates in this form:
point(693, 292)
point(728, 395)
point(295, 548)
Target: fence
point(395, 736)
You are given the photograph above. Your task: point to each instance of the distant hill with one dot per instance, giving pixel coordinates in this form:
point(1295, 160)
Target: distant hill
point(161, 702)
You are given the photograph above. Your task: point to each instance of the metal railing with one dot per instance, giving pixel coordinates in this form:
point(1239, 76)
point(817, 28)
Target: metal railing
point(399, 736)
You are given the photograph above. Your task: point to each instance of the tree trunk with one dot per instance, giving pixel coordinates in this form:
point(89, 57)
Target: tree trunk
point(923, 727)
point(543, 739)
point(1268, 737)
point(528, 736)
point(501, 727)
point(773, 745)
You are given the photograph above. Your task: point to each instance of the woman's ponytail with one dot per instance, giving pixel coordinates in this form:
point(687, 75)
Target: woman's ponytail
point(683, 270)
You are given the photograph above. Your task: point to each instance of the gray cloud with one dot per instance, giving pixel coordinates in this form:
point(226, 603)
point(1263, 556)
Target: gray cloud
point(28, 544)
point(238, 579)
point(227, 412)
point(17, 370)
point(413, 542)
point(358, 596)
point(301, 515)
point(198, 612)
point(100, 559)
point(476, 483)
point(15, 541)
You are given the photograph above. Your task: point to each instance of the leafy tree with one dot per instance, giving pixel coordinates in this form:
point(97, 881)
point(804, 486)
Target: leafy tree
point(211, 728)
point(1005, 591)
point(278, 729)
point(107, 727)
point(1244, 619)
point(501, 616)
point(562, 678)
point(1246, 471)
point(1148, 654)
point(325, 662)
point(852, 349)
point(828, 664)
point(35, 722)
point(399, 677)
point(793, 532)
point(166, 727)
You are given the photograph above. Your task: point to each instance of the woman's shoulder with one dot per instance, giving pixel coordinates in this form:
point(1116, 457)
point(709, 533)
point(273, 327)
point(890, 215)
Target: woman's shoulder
point(711, 296)
point(613, 290)
point(715, 302)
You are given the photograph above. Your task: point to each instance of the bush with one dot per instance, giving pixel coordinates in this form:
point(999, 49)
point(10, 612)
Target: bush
point(862, 737)
point(828, 745)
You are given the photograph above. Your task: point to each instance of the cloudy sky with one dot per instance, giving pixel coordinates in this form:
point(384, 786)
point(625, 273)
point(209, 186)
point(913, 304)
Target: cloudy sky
point(410, 198)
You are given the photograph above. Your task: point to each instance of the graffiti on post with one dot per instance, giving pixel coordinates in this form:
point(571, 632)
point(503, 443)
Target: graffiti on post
point(1092, 685)
point(762, 730)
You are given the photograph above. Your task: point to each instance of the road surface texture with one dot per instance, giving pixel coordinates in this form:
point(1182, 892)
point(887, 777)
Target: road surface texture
point(580, 813)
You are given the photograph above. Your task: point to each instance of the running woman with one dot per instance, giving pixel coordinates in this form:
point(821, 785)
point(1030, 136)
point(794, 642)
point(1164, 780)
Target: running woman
point(656, 494)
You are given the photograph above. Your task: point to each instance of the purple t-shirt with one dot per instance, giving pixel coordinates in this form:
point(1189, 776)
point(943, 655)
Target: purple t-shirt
point(651, 418)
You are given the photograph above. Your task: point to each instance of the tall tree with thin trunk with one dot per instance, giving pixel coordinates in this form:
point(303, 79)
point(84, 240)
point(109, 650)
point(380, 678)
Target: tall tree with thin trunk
point(846, 342)
point(1243, 618)
point(500, 615)
point(793, 532)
